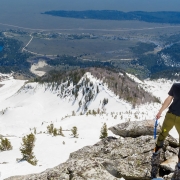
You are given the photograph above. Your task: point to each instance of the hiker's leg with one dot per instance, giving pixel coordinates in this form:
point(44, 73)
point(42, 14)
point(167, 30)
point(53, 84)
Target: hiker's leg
point(177, 125)
point(176, 175)
point(166, 127)
point(168, 124)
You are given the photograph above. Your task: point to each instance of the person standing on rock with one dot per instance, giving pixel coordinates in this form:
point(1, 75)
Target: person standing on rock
point(172, 119)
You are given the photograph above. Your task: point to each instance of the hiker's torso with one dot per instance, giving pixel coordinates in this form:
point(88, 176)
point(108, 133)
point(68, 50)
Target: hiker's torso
point(175, 92)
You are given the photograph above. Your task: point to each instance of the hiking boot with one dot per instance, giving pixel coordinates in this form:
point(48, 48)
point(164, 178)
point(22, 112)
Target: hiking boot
point(155, 161)
point(157, 149)
point(154, 171)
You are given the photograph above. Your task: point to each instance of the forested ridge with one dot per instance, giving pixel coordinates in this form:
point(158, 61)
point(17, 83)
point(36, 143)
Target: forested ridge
point(12, 58)
point(119, 83)
point(155, 17)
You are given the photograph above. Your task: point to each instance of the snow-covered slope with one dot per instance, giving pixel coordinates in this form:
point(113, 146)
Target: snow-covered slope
point(158, 88)
point(27, 107)
point(34, 104)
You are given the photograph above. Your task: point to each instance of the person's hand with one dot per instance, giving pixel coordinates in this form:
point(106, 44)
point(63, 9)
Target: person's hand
point(158, 115)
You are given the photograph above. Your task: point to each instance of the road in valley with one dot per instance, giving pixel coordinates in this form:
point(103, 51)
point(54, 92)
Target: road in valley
point(87, 29)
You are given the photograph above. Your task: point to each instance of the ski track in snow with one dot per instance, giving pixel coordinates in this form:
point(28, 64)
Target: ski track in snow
point(31, 106)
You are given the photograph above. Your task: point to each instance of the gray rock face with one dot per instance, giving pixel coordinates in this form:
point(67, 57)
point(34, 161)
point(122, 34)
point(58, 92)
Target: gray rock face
point(134, 128)
point(110, 159)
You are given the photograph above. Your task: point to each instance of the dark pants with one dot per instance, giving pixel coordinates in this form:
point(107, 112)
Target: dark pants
point(169, 121)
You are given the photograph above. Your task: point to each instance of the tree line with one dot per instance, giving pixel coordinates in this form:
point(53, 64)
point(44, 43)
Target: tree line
point(155, 17)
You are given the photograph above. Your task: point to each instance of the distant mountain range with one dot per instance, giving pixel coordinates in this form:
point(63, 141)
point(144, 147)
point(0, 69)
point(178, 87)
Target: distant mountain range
point(155, 17)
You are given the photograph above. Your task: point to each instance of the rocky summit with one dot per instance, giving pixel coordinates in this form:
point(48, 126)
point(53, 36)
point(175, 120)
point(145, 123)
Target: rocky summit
point(114, 158)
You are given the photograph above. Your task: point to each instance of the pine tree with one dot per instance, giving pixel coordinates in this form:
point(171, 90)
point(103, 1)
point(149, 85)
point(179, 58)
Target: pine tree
point(80, 103)
point(5, 145)
point(73, 113)
point(60, 131)
point(74, 132)
point(104, 132)
point(55, 132)
point(27, 149)
point(85, 107)
point(34, 130)
point(97, 89)
point(105, 101)
point(94, 112)
point(68, 83)
point(83, 91)
point(76, 93)
point(98, 111)
point(50, 129)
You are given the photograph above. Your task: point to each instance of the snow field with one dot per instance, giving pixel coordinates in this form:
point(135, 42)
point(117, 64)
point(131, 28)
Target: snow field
point(36, 106)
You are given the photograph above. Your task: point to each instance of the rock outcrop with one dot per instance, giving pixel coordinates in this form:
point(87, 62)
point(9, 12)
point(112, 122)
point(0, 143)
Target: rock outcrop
point(134, 128)
point(110, 159)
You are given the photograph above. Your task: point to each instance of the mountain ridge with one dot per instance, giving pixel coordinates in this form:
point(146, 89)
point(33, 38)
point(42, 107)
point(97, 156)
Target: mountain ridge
point(36, 106)
point(155, 17)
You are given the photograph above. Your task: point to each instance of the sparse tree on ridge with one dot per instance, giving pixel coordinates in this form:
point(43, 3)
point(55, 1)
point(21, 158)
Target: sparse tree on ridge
point(34, 130)
point(27, 149)
point(83, 91)
point(104, 132)
point(55, 132)
point(73, 113)
point(97, 89)
point(5, 144)
point(105, 101)
point(80, 103)
point(50, 129)
point(60, 131)
point(74, 132)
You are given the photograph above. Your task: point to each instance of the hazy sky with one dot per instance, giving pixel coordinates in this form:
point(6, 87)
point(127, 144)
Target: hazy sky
point(144, 5)
point(122, 5)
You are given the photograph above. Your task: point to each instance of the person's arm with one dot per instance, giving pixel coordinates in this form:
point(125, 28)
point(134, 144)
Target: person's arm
point(166, 104)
